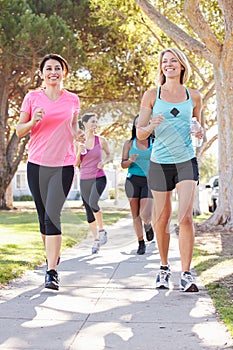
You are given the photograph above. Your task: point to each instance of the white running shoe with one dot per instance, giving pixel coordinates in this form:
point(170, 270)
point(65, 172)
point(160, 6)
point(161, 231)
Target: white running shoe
point(187, 283)
point(96, 246)
point(163, 277)
point(103, 237)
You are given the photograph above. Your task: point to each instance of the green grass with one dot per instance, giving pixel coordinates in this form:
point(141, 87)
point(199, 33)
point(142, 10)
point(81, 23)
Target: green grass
point(21, 246)
point(210, 266)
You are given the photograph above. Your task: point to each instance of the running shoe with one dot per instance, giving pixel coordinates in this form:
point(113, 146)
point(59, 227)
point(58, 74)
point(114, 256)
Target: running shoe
point(163, 277)
point(103, 237)
point(141, 247)
point(51, 280)
point(96, 246)
point(149, 232)
point(187, 283)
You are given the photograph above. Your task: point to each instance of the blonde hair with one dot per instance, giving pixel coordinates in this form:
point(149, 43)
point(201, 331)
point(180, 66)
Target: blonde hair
point(185, 73)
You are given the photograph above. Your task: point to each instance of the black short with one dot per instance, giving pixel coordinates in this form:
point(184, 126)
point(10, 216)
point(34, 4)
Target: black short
point(164, 177)
point(137, 187)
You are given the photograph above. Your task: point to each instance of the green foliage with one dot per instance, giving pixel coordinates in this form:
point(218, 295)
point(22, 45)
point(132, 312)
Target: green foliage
point(209, 167)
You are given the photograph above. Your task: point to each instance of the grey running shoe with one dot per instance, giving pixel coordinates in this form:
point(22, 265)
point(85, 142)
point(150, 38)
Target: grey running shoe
point(96, 246)
point(149, 232)
point(162, 278)
point(103, 237)
point(187, 283)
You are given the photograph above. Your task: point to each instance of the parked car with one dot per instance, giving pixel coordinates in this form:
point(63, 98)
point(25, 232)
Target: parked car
point(213, 190)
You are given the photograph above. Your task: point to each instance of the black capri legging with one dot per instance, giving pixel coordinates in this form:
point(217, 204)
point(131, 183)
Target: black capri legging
point(49, 187)
point(91, 191)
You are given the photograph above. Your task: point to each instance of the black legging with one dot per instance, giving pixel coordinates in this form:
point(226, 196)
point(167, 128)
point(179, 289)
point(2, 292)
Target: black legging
point(49, 187)
point(91, 191)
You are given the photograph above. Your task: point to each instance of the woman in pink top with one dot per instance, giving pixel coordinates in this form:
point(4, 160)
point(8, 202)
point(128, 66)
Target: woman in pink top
point(92, 177)
point(50, 115)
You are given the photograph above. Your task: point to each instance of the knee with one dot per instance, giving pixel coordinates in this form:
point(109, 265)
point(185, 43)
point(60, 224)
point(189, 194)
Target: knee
point(186, 220)
point(162, 222)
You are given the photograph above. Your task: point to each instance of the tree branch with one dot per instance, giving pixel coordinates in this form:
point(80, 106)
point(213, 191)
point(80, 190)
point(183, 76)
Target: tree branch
point(172, 30)
point(201, 27)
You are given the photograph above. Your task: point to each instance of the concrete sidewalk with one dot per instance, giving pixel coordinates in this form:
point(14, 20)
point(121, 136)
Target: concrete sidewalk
point(108, 301)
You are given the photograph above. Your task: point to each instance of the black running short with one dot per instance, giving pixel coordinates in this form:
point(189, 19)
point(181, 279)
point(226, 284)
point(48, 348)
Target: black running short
point(164, 177)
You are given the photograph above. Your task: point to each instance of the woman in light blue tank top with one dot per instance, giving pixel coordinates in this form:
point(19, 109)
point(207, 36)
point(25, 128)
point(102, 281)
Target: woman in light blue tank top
point(136, 158)
point(168, 111)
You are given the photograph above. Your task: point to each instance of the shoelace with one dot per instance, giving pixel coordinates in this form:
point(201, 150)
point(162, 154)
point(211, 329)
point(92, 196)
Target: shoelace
point(188, 277)
point(164, 274)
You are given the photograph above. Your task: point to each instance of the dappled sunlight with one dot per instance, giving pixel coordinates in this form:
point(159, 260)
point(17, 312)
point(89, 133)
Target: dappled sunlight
point(97, 332)
point(212, 273)
point(210, 333)
point(202, 308)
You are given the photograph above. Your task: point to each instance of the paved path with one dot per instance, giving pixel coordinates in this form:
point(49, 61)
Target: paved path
point(108, 301)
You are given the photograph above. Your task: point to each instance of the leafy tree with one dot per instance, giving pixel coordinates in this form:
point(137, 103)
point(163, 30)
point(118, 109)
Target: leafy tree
point(105, 65)
point(212, 40)
point(25, 36)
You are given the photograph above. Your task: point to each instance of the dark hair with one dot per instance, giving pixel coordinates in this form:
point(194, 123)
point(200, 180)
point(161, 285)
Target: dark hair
point(134, 134)
point(54, 56)
point(87, 116)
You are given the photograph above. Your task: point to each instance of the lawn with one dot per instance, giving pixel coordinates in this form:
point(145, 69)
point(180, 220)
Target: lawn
point(21, 246)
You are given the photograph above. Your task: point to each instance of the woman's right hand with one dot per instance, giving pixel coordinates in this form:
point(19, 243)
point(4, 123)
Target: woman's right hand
point(38, 115)
point(133, 157)
point(157, 120)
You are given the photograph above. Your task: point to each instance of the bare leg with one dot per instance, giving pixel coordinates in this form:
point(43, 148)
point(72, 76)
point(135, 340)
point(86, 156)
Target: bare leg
point(99, 220)
point(137, 222)
point(186, 191)
point(94, 230)
point(53, 248)
point(161, 219)
point(43, 238)
point(146, 206)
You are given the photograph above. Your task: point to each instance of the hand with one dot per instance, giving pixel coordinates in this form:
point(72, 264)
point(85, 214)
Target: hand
point(157, 120)
point(100, 165)
point(38, 115)
point(80, 136)
point(200, 133)
point(133, 157)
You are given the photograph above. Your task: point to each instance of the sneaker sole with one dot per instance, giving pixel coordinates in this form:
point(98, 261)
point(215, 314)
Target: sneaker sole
point(161, 286)
point(51, 286)
point(191, 289)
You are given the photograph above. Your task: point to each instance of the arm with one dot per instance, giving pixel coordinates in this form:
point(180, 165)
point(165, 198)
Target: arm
point(105, 148)
point(78, 154)
point(78, 134)
point(146, 124)
point(197, 100)
point(25, 124)
point(126, 161)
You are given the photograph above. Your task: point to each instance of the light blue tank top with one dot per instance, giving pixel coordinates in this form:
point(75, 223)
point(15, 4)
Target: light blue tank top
point(173, 142)
point(141, 165)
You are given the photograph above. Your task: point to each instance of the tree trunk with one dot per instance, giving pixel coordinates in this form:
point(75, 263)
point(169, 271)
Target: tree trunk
point(9, 197)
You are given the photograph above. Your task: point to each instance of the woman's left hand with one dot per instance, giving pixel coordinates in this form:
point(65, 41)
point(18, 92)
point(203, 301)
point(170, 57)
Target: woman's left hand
point(100, 165)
